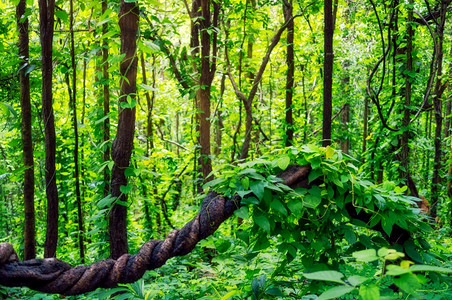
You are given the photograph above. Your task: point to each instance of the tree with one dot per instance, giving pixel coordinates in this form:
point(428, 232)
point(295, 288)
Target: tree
point(123, 144)
point(328, 71)
point(46, 12)
point(29, 176)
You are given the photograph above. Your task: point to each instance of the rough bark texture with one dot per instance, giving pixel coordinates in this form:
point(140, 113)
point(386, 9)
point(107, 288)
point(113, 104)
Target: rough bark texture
point(288, 18)
point(46, 12)
point(123, 143)
point(328, 72)
point(29, 176)
point(55, 276)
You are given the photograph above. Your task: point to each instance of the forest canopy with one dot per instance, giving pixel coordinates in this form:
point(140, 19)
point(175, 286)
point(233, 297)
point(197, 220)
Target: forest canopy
point(316, 133)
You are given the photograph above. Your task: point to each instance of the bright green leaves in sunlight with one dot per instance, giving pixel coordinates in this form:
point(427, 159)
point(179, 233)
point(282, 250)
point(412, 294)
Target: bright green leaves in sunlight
point(302, 218)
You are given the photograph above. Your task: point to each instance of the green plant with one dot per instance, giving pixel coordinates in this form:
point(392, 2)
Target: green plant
point(386, 280)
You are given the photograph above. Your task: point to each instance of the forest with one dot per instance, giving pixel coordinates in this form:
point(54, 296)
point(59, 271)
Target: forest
point(226, 149)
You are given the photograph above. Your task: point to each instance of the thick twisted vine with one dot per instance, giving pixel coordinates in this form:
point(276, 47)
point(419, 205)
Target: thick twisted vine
point(52, 275)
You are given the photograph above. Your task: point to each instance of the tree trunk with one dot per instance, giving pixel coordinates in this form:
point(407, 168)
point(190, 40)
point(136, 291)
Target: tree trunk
point(437, 105)
point(46, 12)
point(405, 149)
point(123, 144)
point(328, 72)
point(288, 14)
point(73, 104)
point(345, 118)
point(27, 142)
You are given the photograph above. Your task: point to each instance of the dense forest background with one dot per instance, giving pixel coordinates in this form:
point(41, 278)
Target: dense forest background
point(117, 116)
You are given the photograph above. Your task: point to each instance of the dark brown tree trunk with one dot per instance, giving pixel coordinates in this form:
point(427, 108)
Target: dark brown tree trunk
point(328, 71)
point(345, 118)
point(123, 144)
point(437, 105)
point(405, 139)
point(46, 13)
point(73, 104)
point(288, 17)
point(27, 142)
point(106, 102)
point(208, 68)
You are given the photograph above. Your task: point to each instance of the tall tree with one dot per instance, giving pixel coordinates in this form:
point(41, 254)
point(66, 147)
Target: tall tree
point(46, 13)
point(106, 100)
point(123, 144)
point(328, 71)
point(288, 18)
point(73, 104)
point(29, 176)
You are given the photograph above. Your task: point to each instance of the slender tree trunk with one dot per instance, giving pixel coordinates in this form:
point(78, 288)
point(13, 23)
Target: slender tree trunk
point(437, 105)
point(149, 135)
point(365, 130)
point(405, 149)
point(46, 12)
point(73, 105)
point(123, 144)
point(288, 14)
point(345, 118)
point(27, 142)
point(106, 102)
point(328, 72)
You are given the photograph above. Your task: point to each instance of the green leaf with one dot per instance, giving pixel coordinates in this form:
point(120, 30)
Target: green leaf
point(295, 206)
point(369, 292)
point(336, 292)
point(263, 222)
point(61, 14)
point(408, 282)
point(245, 183)
point(395, 270)
point(283, 162)
point(242, 212)
point(357, 279)
point(367, 255)
point(258, 188)
point(312, 201)
point(105, 202)
point(387, 224)
point(278, 206)
point(125, 189)
point(427, 268)
point(329, 151)
point(333, 276)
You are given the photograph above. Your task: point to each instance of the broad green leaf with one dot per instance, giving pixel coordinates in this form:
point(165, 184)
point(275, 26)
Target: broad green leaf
point(242, 212)
point(395, 270)
point(357, 279)
point(367, 255)
point(369, 292)
point(295, 206)
point(61, 14)
point(245, 183)
point(278, 206)
point(329, 151)
point(263, 222)
point(258, 188)
point(426, 268)
point(283, 162)
point(333, 276)
point(125, 189)
point(336, 292)
point(312, 201)
point(105, 202)
point(408, 282)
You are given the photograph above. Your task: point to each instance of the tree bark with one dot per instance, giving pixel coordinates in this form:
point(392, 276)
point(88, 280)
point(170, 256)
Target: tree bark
point(288, 17)
point(328, 72)
point(345, 118)
point(46, 12)
point(437, 106)
point(73, 104)
point(27, 142)
point(123, 144)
